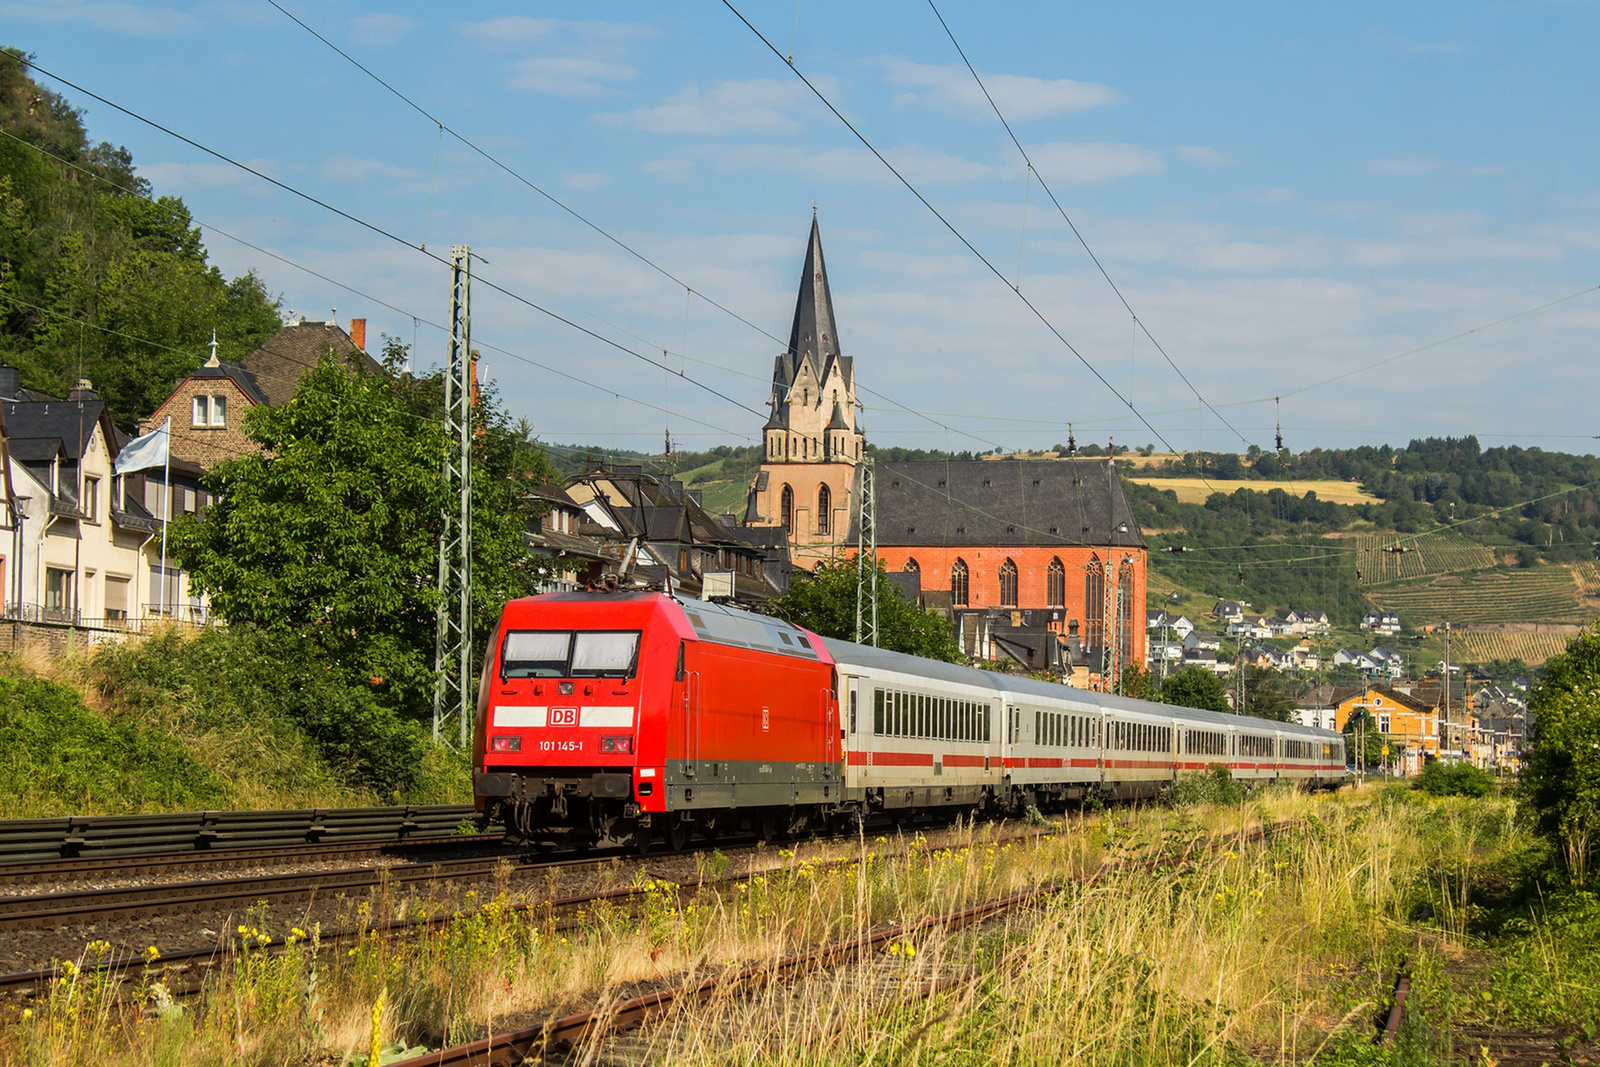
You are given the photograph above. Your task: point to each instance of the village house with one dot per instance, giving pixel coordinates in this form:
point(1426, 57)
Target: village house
point(1408, 722)
point(207, 408)
point(1386, 623)
point(84, 544)
point(1312, 621)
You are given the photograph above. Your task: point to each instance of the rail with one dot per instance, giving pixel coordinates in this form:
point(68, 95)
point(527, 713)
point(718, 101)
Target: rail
point(78, 836)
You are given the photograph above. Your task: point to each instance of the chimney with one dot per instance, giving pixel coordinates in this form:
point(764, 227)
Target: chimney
point(10, 380)
point(358, 333)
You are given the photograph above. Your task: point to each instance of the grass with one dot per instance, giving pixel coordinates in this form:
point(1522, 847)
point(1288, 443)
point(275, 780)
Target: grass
point(1248, 953)
point(1196, 490)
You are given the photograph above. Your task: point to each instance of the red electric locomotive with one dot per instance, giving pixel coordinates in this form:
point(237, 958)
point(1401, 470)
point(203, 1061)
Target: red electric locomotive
point(605, 717)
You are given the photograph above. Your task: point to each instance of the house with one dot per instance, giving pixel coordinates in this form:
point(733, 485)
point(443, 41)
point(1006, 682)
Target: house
point(653, 533)
point(1278, 626)
point(1155, 620)
point(1266, 657)
point(574, 558)
point(1206, 659)
point(1381, 622)
point(207, 407)
point(1317, 709)
point(1312, 621)
point(1391, 663)
point(1203, 639)
point(1181, 626)
point(1158, 651)
point(1250, 626)
point(1177, 626)
point(1227, 611)
point(1305, 657)
point(85, 542)
point(1408, 722)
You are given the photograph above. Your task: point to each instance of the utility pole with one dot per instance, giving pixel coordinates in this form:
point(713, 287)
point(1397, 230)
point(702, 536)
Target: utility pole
point(867, 555)
point(1110, 643)
point(452, 646)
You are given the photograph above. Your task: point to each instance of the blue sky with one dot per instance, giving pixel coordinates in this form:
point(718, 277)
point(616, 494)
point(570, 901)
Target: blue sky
point(1284, 194)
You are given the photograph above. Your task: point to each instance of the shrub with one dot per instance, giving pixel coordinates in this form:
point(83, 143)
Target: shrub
point(1454, 780)
point(1216, 786)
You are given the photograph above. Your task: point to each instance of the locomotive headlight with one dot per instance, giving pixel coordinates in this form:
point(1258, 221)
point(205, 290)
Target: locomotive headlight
point(616, 744)
point(564, 689)
point(505, 744)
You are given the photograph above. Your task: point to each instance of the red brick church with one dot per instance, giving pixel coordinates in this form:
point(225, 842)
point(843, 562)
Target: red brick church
point(1038, 561)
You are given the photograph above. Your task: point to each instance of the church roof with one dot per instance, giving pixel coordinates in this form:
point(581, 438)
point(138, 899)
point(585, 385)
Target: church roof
point(779, 419)
point(1004, 502)
point(813, 337)
point(837, 422)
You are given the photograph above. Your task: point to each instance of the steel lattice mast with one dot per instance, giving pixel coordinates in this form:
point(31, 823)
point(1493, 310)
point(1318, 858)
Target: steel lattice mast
point(452, 649)
point(867, 555)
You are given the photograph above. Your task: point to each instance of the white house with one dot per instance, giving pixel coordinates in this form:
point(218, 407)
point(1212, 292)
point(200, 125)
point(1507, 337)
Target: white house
point(1381, 622)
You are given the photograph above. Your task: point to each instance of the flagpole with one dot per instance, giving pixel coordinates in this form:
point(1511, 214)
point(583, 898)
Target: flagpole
point(166, 504)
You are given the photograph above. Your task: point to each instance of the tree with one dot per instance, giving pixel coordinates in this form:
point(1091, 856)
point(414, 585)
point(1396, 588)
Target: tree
point(1137, 682)
point(825, 603)
point(1267, 694)
point(1195, 687)
point(1562, 779)
point(332, 531)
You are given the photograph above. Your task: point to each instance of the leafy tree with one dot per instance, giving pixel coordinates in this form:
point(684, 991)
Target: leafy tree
point(1136, 682)
point(1441, 779)
point(1267, 694)
point(98, 278)
point(1562, 779)
point(1195, 687)
point(332, 531)
point(825, 603)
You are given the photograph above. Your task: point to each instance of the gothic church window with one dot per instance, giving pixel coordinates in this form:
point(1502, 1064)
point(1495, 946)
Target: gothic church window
point(958, 583)
point(1094, 603)
point(788, 508)
point(824, 509)
point(1056, 584)
point(1008, 584)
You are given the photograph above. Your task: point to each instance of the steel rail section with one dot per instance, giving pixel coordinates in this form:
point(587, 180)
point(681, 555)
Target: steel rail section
point(32, 872)
point(67, 837)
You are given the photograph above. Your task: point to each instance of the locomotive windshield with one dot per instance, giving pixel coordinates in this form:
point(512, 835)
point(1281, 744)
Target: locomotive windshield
point(563, 654)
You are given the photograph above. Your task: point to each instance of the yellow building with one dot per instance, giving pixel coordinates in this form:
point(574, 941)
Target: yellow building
point(1408, 720)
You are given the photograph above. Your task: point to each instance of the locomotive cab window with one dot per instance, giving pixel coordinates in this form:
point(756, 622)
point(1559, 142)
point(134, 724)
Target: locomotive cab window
point(535, 654)
point(604, 655)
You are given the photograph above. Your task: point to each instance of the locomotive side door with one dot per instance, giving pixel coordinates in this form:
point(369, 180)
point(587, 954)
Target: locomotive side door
point(688, 697)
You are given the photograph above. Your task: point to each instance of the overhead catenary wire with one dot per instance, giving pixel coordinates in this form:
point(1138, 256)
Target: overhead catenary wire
point(368, 225)
point(1032, 307)
point(1032, 170)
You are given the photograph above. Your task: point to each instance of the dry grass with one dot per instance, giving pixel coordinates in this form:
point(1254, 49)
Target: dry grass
point(1195, 490)
point(1249, 951)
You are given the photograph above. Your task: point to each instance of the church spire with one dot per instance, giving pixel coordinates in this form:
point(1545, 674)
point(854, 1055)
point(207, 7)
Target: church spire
point(813, 337)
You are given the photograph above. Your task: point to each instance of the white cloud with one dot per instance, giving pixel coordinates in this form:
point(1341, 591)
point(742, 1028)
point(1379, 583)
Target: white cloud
point(671, 169)
point(508, 29)
point(569, 75)
point(758, 106)
point(165, 177)
point(1206, 157)
point(111, 16)
point(584, 181)
point(381, 30)
point(1405, 166)
point(952, 90)
point(921, 166)
point(346, 169)
point(1267, 196)
point(1093, 163)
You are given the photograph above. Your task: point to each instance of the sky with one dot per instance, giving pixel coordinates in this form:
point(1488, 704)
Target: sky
point(1292, 199)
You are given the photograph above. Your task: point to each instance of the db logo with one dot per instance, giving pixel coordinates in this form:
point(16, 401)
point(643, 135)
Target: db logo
point(563, 716)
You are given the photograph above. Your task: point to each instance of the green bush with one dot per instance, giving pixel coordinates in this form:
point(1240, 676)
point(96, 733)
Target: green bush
point(1454, 780)
point(1215, 786)
point(61, 757)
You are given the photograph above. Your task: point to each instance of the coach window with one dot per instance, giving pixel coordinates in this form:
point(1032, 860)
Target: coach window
point(877, 711)
point(852, 709)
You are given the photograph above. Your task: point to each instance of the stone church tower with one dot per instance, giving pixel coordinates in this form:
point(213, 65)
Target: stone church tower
point(812, 441)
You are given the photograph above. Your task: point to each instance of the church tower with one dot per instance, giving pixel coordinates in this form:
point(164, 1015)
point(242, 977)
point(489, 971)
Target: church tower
point(812, 441)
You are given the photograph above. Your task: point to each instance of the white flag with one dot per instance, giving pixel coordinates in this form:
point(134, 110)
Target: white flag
point(144, 452)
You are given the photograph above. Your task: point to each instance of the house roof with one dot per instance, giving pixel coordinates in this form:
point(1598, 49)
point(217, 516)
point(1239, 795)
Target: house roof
point(70, 422)
point(283, 359)
point(1006, 502)
point(238, 375)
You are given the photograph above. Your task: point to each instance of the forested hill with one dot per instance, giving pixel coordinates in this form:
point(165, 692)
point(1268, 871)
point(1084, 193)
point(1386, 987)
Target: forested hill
point(99, 277)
